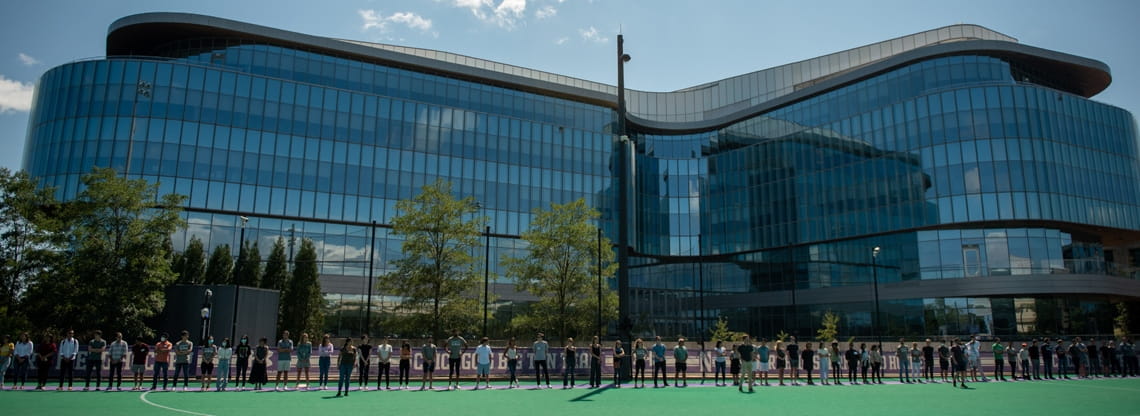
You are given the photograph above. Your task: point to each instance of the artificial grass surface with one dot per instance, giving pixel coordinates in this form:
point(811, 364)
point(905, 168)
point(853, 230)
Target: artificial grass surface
point(1099, 396)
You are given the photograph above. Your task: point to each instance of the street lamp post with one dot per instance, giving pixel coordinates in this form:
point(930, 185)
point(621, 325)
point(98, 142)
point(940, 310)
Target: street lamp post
point(875, 276)
point(371, 277)
point(237, 288)
point(599, 282)
point(701, 291)
point(486, 275)
point(207, 309)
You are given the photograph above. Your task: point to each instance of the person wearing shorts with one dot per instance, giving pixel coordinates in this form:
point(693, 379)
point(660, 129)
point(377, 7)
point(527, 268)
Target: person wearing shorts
point(284, 360)
point(746, 354)
point(208, 354)
point(139, 353)
point(304, 358)
point(428, 352)
point(793, 350)
point(681, 363)
point(958, 358)
point(763, 361)
point(482, 363)
point(456, 346)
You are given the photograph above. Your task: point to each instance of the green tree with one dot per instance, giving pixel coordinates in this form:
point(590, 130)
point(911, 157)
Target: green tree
point(28, 242)
point(437, 271)
point(192, 263)
point(219, 271)
point(720, 332)
point(117, 260)
point(248, 272)
point(276, 267)
point(302, 303)
point(560, 267)
point(829, 328)
point(1120, 322)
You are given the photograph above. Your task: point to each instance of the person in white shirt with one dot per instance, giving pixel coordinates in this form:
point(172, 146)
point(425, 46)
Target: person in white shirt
point(483, 362)
point(68, 352)
point(974, 358)
point(824, 362)
point(225, 353)
point(24, 350)
point(720, 370)
point(384, 364)
point(117, 355)
point(324, 360)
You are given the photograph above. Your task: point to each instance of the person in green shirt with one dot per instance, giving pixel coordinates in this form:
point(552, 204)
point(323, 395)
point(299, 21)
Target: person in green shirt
point(428, 352)
point(284, 359)
point(456, 346)
point(95, 360)
point(680, 361)
point(999, 359)
point(304, 358)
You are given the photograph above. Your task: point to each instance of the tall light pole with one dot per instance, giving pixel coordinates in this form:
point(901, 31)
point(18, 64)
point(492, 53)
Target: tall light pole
point(237, 288)
point(599, 282)
point(371, 258)
point(625, 325)
point(875, 276)
point(701, 291)
point(486, 276)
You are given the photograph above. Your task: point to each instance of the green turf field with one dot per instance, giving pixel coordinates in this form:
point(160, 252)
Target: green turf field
point(1097, 397)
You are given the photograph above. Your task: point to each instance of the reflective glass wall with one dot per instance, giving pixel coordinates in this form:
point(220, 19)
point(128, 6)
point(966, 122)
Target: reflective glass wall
point(313, 146)
point(930, 162)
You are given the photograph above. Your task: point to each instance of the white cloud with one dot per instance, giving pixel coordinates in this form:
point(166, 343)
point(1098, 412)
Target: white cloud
point(506, 14)
point(15, 95)
point(561, 40)
point(545, 12)
point(28, 59)
point(374, 20)
point(591, 35)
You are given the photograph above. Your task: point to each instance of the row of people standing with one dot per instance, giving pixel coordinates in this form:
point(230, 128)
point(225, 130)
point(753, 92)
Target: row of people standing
point(916, 364)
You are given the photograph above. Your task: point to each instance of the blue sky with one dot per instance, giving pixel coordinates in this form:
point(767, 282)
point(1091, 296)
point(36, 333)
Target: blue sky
point(675, 44)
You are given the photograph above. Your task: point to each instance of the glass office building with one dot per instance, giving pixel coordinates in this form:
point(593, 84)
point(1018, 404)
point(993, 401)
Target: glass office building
point(1002, 199)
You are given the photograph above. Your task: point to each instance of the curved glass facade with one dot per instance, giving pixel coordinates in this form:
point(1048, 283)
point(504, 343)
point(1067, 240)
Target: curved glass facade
point(963, 169)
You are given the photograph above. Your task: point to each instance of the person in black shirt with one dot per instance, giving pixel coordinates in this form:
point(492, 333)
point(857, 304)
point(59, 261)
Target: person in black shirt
point(958, 356)
point(1108, 358)
point(746, 354)
point(139, 353)
point(1047, 352)
point(944, 359)
point(243, 351)
point(363, 359)
point(1035, 359)
point(836, 367)
point(1062, 362)
point(928, 361)
point(794, 360)
point(852, 356)
point(809, 364)
point(1094, 358)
